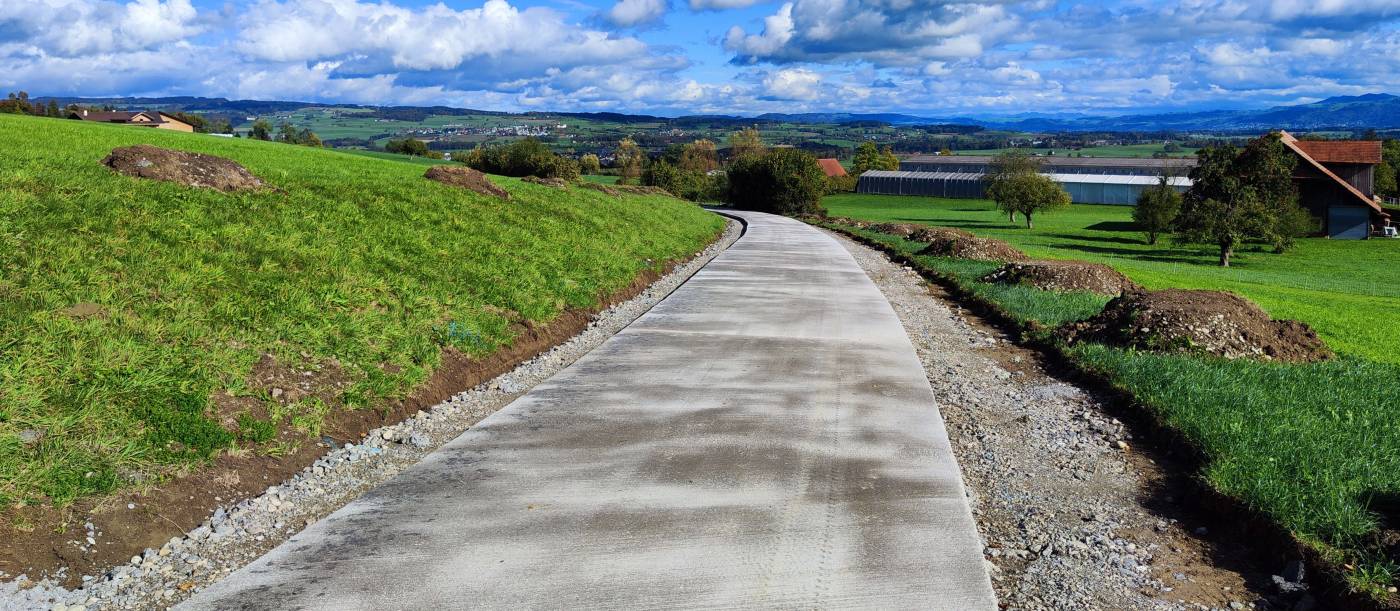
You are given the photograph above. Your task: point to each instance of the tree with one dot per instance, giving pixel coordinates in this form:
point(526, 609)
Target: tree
point(306, 137)
point(261, 130)
point(589, 164)
point(869, 157)
point(1388, 172)
point(945, 151)
point(699, 156)
point(745, 143)
point(287, 133)
point(16, 103)
point(1006, 167)
point(782, 181)
point(407, 146)
point(53, 109)
point(1171, 147)
point(1030, 194)
point(1240, 195)
point(628, 160)
point(1157, 207)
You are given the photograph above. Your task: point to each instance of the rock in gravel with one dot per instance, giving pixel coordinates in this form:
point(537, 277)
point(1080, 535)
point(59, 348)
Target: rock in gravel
point(419, 440)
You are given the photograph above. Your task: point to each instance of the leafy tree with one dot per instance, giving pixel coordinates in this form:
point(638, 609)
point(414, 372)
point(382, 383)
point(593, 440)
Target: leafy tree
point(407, 146)
point(16, 103)
point(1242, 195)
point(261, 130)
point(1157, 207)
point(782, 181)
point(53, 109)
point(1388, 172)
point(1006, 167)
point(526, 157)
point(699, 156)
point(869, 157)
point(945, 151)
point(1171, 147)
point(1030, 194)
point(628, 160)
point(199, 123)
point(287, 133)
point(306, 137)
point(745, 143)
point(589, 164)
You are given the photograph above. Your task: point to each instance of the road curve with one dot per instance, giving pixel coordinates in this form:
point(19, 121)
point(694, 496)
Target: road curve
point(763, 437)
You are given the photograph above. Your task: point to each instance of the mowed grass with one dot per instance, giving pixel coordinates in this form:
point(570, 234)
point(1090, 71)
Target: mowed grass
point(1315, 446)
point(423, 161)
point(1349, 291)
point(125, 304)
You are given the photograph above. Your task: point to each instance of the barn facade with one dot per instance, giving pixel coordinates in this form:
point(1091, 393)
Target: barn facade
point(1088, 180)
point(1336, 183)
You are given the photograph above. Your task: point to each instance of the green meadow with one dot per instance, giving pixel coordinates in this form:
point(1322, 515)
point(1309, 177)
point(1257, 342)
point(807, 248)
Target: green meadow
point(127, 304)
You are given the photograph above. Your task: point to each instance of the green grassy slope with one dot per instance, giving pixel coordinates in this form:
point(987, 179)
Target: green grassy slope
point(1349, 291)
point(346, 259)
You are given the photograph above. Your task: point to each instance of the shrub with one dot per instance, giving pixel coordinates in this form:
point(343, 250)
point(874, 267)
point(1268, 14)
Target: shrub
point(684, 183)
point(782, 181)
point(528, 157)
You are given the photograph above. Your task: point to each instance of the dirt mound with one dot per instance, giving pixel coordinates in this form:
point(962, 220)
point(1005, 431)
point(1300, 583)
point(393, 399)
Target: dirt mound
point(192, 169)
point(1214, 322)
point(1064, 276)
point(902, 230)
point(929, 234)
point(848, 222)
point(618, 190)
point(557, 183)
point(465, 178)
point(964, 247)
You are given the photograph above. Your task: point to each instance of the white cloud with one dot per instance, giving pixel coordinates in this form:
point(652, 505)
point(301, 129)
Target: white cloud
point(72, 28)
point(630, 13)
point(793, 84)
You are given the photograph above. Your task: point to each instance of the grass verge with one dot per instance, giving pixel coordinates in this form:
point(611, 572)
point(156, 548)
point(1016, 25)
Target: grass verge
point(133, 313)
point(1313, 447)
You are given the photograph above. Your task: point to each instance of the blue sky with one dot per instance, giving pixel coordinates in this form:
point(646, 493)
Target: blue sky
point(672, 57)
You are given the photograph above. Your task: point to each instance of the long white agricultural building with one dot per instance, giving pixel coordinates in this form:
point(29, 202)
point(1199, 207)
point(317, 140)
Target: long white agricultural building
point(1088, 180)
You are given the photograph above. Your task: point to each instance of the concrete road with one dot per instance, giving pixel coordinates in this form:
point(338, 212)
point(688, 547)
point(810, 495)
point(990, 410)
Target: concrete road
point(763, 438)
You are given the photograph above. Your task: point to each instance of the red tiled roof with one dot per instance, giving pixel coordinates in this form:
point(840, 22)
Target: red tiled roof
point(1343, 151)
point(832, 167)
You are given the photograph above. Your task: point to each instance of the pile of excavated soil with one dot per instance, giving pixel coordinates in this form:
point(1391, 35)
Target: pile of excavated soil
point(929, 234)
point(557, 183)
point(192, 169)
point(1064, 276)
point(465, 178)
point(964, 247)
point(618, 190)
point(1213, 322)
point(902, 230)
point(848, 222)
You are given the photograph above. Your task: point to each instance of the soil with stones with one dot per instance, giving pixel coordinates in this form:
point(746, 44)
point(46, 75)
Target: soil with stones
point(557, 183)
point(1213, 322)
point(618, 190)
point(1064, 276)
point(465, 178)
point(978, 249)
point(1072, 513)
point(192, 169)
point(198, 527)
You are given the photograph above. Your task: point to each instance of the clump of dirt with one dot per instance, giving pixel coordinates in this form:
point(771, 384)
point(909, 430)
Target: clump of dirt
point(965, 247)
point(929, 234)
point(1211, 322)
point(848, 222)
point(192, 169)
point(608, 189)
point(1064, 276)
point(465, 178)
point(557, 183)
point(618, 190)
point(902, 230)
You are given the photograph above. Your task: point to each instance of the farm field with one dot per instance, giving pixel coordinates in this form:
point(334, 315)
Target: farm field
point(1315, 446)
point(1347, 290)
point(1126, 150)
point(133, 312)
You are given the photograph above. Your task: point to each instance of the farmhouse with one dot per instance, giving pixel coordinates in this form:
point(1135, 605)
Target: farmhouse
point(1336, 183)
point(1088, 180)
point(144, 118)
point(831, 167)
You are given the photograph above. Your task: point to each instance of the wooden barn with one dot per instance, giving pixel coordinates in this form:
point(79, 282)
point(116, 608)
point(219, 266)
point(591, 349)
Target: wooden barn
point(1336, 183)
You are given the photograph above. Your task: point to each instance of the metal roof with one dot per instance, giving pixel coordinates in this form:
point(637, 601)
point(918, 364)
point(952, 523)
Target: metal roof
point(1102, 179)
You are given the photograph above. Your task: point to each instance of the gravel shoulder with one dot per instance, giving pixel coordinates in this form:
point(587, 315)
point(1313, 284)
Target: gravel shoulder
point(1071, 514)
point(236, 534)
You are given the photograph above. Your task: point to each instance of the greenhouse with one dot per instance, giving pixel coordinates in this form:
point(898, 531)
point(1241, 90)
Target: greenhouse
point(1118, 189)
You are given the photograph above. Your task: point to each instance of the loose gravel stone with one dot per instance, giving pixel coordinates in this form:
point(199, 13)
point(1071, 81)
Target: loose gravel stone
point(1047, 472)
point(236, 534)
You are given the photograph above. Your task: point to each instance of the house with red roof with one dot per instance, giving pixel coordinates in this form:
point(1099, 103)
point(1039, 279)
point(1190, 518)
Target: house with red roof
point(831, 167)
point(1336, 183)
point(142, 118)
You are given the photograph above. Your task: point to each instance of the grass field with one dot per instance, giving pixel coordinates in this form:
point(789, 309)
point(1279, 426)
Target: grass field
point(1125, 150)
point(1315, 446)
point(424, 161)
point(1349, 291)
point(125, 304)
point(602, 179)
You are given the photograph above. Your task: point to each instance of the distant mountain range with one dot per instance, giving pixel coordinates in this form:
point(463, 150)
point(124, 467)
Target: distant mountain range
point(1370, 111)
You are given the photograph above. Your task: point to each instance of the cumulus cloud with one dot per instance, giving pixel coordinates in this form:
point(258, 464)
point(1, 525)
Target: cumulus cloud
point(792, 84)
point(720, 5)
point(632, 13)
point(72, 28)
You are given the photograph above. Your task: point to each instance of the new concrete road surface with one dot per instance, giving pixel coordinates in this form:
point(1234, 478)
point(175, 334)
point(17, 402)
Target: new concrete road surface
point(763, 438)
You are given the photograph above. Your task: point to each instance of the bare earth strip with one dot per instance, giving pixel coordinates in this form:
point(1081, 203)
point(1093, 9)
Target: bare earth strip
point(763, 437)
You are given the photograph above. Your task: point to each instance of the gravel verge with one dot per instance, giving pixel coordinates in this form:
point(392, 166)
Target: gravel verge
point(1071, 516)
point(236, 534)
